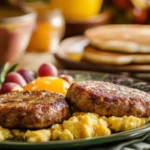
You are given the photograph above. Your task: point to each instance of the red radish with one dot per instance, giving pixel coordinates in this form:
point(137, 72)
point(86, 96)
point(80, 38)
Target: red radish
point(7, 87)
point(15, 78)
point(28, 75)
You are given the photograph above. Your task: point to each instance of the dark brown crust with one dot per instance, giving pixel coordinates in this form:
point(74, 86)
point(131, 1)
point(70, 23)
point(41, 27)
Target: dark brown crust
point(32, 110)
point(108, 99)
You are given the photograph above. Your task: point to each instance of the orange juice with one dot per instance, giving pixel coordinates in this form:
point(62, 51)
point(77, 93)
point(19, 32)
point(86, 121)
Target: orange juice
point(41, 37)
point(78, 9)
point(49, 29)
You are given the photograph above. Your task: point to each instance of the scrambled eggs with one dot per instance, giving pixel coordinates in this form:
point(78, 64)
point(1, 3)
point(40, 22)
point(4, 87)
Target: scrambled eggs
point(80, 125)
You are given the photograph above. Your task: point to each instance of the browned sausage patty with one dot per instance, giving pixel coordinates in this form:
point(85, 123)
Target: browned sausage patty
point(108, 99)
point(37, 109)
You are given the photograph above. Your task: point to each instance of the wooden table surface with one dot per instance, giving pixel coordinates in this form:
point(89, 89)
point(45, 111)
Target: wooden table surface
point(34, 60)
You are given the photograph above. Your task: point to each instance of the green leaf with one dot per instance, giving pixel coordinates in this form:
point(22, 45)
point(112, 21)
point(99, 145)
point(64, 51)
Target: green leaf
point(12, 68)
point(3, 71)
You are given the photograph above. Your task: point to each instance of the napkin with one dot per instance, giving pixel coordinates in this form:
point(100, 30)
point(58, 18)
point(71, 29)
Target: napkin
point(142, 143)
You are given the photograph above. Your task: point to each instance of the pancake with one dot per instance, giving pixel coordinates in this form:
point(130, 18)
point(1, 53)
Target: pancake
point(97, 56)
point(120, 38)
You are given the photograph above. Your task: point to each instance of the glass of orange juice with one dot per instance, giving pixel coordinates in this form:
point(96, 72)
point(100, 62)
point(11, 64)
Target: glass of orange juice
point(49, 28)
point(77, 9)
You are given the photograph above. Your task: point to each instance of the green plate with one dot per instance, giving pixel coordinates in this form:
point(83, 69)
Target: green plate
point(121, 136)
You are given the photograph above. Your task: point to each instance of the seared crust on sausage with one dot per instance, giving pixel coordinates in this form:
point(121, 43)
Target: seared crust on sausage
point(32, 109)
point(108, 99)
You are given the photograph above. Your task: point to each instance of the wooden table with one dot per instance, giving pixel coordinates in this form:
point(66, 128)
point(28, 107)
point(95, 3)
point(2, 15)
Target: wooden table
point(34, 60)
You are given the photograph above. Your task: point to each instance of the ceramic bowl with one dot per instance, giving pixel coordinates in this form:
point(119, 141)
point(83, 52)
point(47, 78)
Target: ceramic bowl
point(16, 27)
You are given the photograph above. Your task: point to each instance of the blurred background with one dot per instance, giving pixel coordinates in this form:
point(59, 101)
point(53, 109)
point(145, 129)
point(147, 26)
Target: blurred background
point(59, 19)
point(39, 25)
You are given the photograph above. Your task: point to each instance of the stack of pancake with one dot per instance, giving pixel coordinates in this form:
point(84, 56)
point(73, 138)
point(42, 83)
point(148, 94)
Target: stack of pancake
point(118, 45)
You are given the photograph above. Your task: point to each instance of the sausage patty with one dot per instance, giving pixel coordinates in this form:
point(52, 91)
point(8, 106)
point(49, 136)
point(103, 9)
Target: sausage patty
point(108, 99)
point(32, 109)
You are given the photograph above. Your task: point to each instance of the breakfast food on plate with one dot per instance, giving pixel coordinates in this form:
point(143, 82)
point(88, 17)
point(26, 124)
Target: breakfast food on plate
point(118, 44)
point(108, 99)
point(79, 125)
point(32, 110)
point(53, 84)
point(96, 108)
point(87, 125)
point(97, 56)
point(121, 38)
point(46, 78)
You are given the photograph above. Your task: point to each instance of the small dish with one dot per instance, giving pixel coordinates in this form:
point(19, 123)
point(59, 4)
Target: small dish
point(16, 26)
